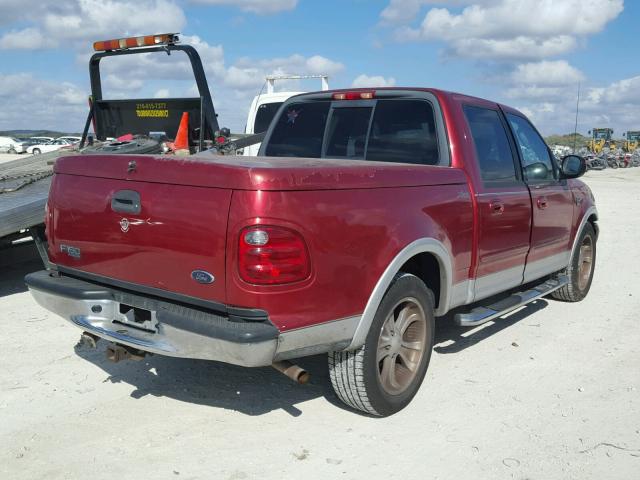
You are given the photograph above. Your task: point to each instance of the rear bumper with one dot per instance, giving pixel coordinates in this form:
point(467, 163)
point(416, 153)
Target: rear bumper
point(162, 327)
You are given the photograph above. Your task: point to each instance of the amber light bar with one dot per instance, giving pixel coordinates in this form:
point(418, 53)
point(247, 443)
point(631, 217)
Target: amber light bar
point(135, 42)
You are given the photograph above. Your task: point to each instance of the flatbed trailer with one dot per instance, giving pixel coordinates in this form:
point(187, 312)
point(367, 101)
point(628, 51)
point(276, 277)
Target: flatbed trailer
point(24, 188)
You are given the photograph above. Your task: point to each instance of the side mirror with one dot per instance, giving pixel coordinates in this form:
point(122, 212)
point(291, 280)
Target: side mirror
point(536, 171)
point(573, 166)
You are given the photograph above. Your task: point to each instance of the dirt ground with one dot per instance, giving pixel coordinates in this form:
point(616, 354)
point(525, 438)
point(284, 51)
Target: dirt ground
point(7, 157)
point(551, 392)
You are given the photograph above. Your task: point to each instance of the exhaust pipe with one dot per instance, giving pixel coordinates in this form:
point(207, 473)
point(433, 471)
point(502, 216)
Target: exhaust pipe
point(294, 372)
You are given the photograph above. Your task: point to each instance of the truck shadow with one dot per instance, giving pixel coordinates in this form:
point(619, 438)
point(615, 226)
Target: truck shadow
point(451, 338)
point(15, 262)
point(256, 391)
point(252, 391)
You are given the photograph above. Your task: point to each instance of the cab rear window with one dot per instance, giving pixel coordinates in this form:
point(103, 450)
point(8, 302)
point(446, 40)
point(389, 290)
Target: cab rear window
point(394, 130)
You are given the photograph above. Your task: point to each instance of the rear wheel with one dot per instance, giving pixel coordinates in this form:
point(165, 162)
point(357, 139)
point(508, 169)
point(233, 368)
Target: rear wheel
point(36, 151)
point(580, 270)
point(383, 376)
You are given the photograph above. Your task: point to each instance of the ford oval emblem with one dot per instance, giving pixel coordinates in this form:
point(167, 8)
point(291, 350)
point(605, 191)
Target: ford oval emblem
point(201, 276)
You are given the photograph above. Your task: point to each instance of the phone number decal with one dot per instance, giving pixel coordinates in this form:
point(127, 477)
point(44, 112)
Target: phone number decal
point(154, 109)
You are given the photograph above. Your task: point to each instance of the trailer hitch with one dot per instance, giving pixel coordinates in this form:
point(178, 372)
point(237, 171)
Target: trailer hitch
point(116, 353)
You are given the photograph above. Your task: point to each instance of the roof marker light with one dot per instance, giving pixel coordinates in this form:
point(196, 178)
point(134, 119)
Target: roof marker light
point(134, 42)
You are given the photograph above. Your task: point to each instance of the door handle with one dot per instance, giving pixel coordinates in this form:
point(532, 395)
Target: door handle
point(126, 201)
point(542, 203)
point(496, 207)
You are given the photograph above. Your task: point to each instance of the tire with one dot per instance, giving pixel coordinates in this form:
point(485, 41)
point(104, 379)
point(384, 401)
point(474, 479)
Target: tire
point(136, 146)
point(36, 151)
point(579, 278)
point(363, 378)
point(12, 150)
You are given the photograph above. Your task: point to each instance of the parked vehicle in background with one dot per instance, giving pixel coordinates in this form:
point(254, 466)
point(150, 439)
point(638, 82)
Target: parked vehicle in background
point(28, 141)
point(368, 214)
point(560, 151)
point(595, 162)
point(265, 106)
point(601, 138)
point(49, 146)
point(632, 141)
point(24, 183)
point(12, 145)
point(70, 139)
point(36, 140)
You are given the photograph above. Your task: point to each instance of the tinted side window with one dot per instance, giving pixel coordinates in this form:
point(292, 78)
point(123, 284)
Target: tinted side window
point(536, 160)
point(492, 144)
point(403, 131)
point(264, 115)
point(299, 131)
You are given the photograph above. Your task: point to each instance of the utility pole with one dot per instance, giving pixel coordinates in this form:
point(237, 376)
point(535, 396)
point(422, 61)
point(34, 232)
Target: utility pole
point(575, 130)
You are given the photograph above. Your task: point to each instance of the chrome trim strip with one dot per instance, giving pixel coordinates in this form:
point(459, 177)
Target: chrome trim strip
point(545, 266)
point(524, 191)
point(460, 294)
point(321, 338)
point(422, 245)
point(493, 283)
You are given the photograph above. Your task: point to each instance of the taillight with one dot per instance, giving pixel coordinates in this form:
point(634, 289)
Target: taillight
point(270, 255)
point(360, 95)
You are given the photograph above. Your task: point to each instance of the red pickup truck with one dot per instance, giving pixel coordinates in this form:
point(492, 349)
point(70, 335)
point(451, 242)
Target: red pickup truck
point(367, 215)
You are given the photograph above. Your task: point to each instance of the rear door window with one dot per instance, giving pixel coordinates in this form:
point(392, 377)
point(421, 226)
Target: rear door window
point(387, 130)
point(495, 158)
point(403, 131)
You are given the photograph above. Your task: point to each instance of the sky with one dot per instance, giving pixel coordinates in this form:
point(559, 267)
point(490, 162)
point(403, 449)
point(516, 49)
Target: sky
point(529, 54)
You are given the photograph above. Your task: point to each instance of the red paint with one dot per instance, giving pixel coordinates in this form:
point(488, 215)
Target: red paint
point(352, 216)
point(180, 229)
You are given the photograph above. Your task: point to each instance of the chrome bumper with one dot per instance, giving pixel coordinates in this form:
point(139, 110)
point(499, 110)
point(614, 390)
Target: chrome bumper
point(172, 330)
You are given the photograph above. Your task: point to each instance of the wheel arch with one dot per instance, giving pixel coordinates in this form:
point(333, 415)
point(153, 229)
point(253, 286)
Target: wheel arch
point(591, 216)
point(418, 257)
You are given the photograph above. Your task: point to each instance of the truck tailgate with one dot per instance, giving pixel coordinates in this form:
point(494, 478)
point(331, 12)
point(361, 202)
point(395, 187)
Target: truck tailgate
point(179, 230)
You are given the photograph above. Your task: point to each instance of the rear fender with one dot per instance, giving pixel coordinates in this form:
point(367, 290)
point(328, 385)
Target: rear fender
point(422, 245)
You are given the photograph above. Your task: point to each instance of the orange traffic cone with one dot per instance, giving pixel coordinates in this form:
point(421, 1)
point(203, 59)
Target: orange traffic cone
point(182, 137)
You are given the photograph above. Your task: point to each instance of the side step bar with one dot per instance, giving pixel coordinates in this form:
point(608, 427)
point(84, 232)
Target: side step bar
point(485, 313)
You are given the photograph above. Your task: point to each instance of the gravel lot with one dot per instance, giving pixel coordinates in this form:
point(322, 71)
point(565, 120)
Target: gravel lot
point(551, 392)
point(7, 157)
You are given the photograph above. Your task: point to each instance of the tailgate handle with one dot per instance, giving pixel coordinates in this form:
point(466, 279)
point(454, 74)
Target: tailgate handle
point(126, 201)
